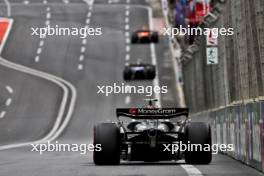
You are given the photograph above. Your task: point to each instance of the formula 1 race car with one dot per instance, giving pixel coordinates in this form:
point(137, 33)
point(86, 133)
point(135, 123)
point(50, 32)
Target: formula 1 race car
point(139, 71)
point(145, 36)
point(152, 136)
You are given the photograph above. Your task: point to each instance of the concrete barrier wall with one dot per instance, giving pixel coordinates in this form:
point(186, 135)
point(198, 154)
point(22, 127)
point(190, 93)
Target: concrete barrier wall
point(242, 126)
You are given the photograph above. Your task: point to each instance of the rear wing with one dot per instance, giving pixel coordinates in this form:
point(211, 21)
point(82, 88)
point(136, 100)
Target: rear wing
point(157, 113)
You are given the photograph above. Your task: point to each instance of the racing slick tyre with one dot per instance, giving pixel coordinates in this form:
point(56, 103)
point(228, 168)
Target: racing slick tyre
point(151, 72)
point(155, 37)
point(108, 136)
point(134, 38)
point(198, 133)
point(127, 74)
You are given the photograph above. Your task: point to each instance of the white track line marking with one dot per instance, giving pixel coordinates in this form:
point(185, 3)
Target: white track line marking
point(87, 21)
point(127, 57)
point(191, 170)
point(8, 102)
point(80, 66)
point(127, 34)
point(36, 59)
point(127, 48)
point(127, 13)
point(127, 7)
point(127, 99)
point(48, 15)
point(26, 2)
point(2, 114)
point(41, 43)
point(83, 48)
point(47, 22)
point(66, 1)
point(126, 20)
point(81, 58)
point(39, 50)
point(8, 5)
point(127, 40)
point(48, 9)
point(90, 7)
point(45, 2)
point(89, 14)
point(128, 1)
point(9, 89)
point(127, 27)
point(84, 41)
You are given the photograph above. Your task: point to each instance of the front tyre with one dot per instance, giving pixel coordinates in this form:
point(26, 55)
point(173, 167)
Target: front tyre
point(108, 136)
point(198, 133)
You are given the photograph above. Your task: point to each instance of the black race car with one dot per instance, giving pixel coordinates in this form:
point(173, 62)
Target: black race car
point(139, 71)
point(145, 36)
point(150, 137)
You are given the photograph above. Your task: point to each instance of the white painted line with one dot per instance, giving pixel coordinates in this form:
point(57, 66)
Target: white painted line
point(127, 99)
point(191, 170)
point(127, 57)
point(86, 26)
point(87, 21)
point(47, 22)
point(8, 102)
point(48, 15)
point(89, 14)
point(66, 1)
point(127, 7)
point(80, 66)
point(154, 57)
point(9, 89)
point(81, 57)
point(83, 48)
point(126, 20)
point(60, 123)
point(127, 48)
point(45, 1)
point(127, 13)
point(84, 41)
point(127, 34)
point(127, 40)
point(127, 27)
point(41, 43)
point(2, 114)
point(48, 9)
point(128, 1)
point(90, 7)
point(39, 50)
point(8, 5)
point(36, 59)
point(26, 2)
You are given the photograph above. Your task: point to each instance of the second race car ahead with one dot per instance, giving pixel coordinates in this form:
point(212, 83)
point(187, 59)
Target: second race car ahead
point(145, 36)
point(139, 71)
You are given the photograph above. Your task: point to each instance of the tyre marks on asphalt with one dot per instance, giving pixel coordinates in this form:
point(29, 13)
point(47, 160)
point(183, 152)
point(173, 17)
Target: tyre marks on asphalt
point(84, 40)
point(8, 101)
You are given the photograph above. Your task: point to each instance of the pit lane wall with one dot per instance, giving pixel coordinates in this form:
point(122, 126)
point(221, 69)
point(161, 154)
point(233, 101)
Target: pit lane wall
point(242, 126)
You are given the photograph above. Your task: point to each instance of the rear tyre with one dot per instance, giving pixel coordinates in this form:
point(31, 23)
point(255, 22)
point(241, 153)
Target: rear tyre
point(152, 72)
point(127, 74)
point(155, 37)
point(134, 38)
point(108, 136)
point(198, 133)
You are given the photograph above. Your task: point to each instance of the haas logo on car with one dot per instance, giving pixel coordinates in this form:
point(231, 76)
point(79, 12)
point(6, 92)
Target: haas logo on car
point(132, 110)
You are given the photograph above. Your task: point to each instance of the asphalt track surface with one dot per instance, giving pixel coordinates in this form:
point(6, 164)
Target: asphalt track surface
point(35, 101)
